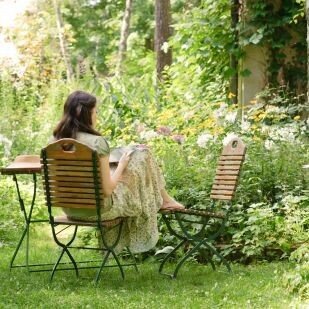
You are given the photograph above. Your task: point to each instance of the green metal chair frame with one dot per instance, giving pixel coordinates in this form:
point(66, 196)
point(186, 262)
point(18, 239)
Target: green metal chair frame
point(208, 224)
point(72, 179)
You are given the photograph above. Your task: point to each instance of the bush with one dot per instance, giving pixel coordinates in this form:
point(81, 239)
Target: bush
point(187, 140)
point(297, 281)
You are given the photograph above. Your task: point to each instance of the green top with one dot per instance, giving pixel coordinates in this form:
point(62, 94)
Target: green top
point(98, 143)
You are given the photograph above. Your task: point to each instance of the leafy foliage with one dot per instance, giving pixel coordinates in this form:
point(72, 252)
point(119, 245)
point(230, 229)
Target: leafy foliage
point(185, 120)
point(280, 27)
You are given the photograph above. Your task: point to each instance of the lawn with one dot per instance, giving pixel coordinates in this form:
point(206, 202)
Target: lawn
point(197, 286)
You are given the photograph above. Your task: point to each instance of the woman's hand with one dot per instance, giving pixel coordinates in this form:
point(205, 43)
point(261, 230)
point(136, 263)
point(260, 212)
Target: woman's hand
point(124, 160)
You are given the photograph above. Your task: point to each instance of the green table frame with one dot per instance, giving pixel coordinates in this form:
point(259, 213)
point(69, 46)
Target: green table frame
point(29, 165)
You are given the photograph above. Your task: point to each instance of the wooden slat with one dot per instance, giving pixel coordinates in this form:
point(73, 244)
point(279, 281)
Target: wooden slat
point(224, 182)
point(230, 162)
point(71, 173)
point(73, 195)
point(68, 184)
point(71, 179)
point(225, 177)
point(228, 167)
point(231, 173)
point(222, 192)
point(66, 220)
point(69, 156)
point(53, 168)
point(71, 190)
point(68, 162)
point(72, 205)
point(221, 197)
point(56, 200)
point(224, 186)
point(195, 212)
point(231, 158)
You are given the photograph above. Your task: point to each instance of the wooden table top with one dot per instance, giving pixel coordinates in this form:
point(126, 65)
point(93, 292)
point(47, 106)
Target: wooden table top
point(30, 164)
point(24, 164)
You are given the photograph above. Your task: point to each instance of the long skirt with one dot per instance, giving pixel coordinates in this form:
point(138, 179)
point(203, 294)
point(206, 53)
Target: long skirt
point(137, 198)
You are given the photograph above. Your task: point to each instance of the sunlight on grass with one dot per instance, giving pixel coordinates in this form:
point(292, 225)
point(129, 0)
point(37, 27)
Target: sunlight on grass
point(197, 286)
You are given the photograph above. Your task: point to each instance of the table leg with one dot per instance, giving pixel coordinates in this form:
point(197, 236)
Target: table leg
point(27, 219)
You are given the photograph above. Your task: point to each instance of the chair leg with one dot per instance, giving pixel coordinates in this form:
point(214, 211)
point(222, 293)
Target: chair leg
point(185, 257)
point(102, 265)
point(118, 263)
point(56, 265)
point(212, 264)
point(110, 250)
point(134, 259)
point(64, 249)
point(220, 256)
point(168, 256)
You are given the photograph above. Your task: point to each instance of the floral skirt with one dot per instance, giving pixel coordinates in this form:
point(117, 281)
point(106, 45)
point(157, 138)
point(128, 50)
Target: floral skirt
point(137, 198)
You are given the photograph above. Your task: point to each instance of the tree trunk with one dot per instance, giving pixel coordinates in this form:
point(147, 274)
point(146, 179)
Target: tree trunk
point(62, 42)
point(233, 59)
point(162, 35)
point(124, 34)
point(307, 16)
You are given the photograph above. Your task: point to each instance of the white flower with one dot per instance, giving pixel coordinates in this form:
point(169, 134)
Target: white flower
point(272, 109)
point(269, 144)
point(148, 135)
point(188, 115)
point(245, 126)
point(265, 129)
point(188, 96)
point(165, 47)
point(203, 139)
point(228, 138)
point(7, 144)
point(231, 117)
point(220, 111)
point(285, 134)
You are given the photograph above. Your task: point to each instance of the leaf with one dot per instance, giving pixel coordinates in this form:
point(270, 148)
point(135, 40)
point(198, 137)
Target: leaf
point(245, 73)
point(256, 38)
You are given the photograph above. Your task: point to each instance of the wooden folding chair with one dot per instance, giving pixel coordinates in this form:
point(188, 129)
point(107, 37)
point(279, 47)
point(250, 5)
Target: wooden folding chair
point(72, 179)
point(199, 228)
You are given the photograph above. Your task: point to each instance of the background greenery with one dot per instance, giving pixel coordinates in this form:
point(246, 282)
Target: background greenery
point(184, 120)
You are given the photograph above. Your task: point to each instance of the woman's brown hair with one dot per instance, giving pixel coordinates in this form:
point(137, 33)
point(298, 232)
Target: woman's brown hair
point(76, 116)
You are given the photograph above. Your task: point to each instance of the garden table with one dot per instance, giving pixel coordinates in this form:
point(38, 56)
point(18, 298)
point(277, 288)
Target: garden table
point(30, 165)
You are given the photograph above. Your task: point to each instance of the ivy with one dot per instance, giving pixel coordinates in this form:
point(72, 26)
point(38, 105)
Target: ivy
point(281, 28)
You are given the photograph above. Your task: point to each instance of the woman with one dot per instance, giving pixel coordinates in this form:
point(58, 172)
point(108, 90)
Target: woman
point(136, 186)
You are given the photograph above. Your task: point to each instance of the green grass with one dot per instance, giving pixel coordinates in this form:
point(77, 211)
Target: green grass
point(255, 286)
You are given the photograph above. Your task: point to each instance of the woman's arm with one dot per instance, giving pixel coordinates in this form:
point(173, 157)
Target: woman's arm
point(109, 182)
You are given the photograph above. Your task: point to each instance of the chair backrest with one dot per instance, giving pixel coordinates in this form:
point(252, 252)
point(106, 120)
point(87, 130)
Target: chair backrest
point(71, 178)
point(228, 170)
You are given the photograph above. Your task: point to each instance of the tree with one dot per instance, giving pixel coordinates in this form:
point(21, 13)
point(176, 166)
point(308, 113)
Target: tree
point(233, 58)
point(124, 34)
point(307, 16)
point(62, 41)
point(162, 35)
